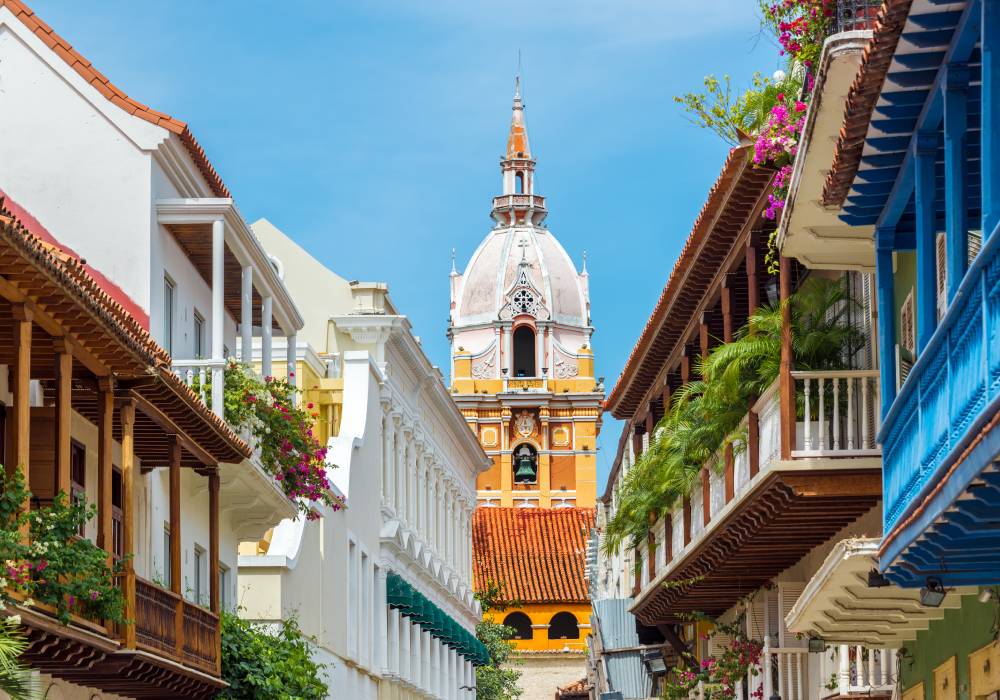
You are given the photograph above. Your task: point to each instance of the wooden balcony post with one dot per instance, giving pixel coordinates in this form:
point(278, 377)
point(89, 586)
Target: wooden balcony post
point(105, 428)
point(21, 432)
point(63, 415)
point(753, 442)
point(685, 368)
point(753, 291)
point(786, 384)
point(214, 592)
point(175, 543)
point(668, 537)
point(727, 337)
point(214, 595)
point(687, 520)
point(706, 496)
point(126, 415)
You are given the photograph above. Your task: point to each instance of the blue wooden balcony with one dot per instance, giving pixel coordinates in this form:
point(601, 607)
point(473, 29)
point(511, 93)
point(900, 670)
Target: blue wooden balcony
point(929, 182)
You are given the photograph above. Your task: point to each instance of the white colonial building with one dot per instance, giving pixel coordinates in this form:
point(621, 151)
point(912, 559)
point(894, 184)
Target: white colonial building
point(384, 584)
point(127, 193)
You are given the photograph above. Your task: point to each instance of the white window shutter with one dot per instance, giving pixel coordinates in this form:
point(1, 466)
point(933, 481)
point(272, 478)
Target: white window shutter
point(975, 244)
point(907, 325)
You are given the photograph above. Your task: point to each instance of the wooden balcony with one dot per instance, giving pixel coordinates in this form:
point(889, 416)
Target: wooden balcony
point(168, 625)
point(771, 504)
point(172, 649)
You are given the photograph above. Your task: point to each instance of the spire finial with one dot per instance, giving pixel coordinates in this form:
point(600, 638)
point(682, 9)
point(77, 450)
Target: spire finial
point(584, 271)
point(453, 270)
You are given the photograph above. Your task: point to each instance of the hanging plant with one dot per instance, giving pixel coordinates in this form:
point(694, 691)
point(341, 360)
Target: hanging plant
point(283, 433)
point(55, 567)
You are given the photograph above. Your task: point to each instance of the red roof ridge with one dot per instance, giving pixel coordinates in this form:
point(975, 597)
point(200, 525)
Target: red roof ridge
point(116, 95)
point(861, 100)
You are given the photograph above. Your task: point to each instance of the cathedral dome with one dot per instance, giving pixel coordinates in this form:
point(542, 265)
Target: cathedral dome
point(520, 270)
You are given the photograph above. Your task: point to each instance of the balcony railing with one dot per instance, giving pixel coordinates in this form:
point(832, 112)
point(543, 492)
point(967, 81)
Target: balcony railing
point(842, 406)
point(168, 625)
point(519, 201)
point(840, 413)
point(954, 382)
point(852, 669)
point(198, 375)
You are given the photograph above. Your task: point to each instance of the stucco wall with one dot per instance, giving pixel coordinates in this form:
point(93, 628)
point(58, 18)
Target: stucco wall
point(543, 674)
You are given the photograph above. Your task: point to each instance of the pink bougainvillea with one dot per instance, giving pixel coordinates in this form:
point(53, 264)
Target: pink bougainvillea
point(283, 434)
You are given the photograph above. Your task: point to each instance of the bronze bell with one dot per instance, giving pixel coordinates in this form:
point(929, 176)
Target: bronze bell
point(525, 469)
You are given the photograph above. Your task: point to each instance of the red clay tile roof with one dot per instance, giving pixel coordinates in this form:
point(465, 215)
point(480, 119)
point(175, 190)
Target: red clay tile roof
point(738, 176)
point(115, 94)
point(861, 100)
point(576, 689)
point(538, 555)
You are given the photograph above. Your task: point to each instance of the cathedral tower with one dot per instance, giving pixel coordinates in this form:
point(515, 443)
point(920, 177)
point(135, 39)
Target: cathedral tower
point(522, 364)
point(522, 373)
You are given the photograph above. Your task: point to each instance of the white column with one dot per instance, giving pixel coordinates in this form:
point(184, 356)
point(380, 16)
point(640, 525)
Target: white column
point(290, 358)
point(416, 659)
point(411, 485)
point(246, 316)
point(404, 648)
point(266, 330)
point(218, 313)
point(419, 503)
point(392, 642)
point(539, 351)
point(382, 640)
point(400, 467)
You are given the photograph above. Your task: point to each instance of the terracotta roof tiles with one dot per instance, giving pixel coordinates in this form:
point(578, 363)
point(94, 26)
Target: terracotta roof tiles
point(862, 98)
point(538, 555)
point(116, 95)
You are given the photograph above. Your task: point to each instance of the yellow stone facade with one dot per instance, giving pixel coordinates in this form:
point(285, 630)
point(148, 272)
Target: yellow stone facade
point(563, 423)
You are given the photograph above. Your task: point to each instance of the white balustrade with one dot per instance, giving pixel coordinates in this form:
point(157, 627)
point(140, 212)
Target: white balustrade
point(697, 513)
point(853, 669)
point(785, 672)
point(768, 410)
point(717, 491)
point(840, 413)
point(197, 375)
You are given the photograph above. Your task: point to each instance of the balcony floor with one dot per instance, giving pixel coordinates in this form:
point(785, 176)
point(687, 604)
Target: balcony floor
point(779, 521)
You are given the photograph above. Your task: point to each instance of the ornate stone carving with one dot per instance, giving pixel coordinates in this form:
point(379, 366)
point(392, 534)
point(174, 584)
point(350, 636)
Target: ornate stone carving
point(566, 368)
point(525, 424)
point(485, 367)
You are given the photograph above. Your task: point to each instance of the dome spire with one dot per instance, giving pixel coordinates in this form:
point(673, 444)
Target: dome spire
point(517, 142)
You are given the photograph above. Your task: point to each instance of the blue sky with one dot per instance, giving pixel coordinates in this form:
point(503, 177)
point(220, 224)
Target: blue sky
point(370, 131)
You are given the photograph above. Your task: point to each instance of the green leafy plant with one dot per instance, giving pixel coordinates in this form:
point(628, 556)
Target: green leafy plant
point(496, 680)
point(283, 432)
point(706, 414)
point(737, 115)
point(16, 680)
point(54, 566)
point(261, 663)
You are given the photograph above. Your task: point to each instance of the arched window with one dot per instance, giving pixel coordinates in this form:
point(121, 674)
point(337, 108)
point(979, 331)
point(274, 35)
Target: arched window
point(519, 182)
point(521, 624)
point(525, 464)
point(524, 352)
point(563, 626)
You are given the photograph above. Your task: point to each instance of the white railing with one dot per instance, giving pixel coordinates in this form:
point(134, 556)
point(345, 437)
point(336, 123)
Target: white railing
point(697, 513)
point(768, 410)
point(201, 376)
point(840, 412)
point(852, 669)
point(785, 672)
point(717, 492)
point(677, 534)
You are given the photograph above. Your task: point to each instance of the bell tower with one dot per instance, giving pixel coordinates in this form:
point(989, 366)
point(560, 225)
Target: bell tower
point(522, 369)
